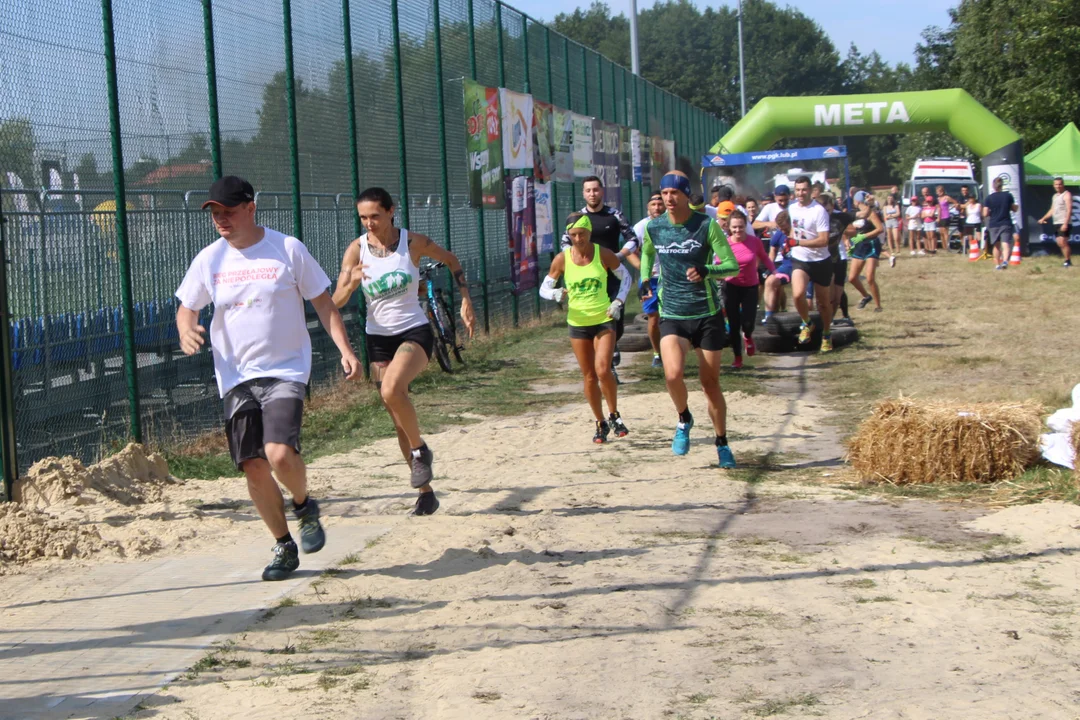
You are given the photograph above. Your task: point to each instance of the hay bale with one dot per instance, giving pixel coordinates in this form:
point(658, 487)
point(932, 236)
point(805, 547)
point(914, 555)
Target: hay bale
point(1076, 447)
point(908, 442)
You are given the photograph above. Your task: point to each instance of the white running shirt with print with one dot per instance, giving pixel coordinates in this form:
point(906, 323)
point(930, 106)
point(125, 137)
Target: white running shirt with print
point(392, 289)
point(259, 328)
point(806, 223)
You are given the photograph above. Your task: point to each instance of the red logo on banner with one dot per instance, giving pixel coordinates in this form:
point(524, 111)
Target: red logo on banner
point(493, 120)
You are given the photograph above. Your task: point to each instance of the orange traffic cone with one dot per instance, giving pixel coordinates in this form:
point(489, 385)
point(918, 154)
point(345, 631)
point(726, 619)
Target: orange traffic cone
point(973, 253)
point(1014, 259)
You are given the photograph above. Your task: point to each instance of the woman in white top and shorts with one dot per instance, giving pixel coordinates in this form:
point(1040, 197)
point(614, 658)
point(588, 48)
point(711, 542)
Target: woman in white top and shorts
point(972, 220)
point(384, 263)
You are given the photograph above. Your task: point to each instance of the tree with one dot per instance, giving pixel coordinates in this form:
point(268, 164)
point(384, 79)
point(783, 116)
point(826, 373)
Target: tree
point(17, 147)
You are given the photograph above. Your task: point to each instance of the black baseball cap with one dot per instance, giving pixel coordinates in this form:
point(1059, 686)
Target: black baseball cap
point(230, 191)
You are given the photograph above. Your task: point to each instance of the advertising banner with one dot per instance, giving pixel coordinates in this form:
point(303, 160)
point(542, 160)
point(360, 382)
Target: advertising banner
point(635, 155)
point(606, 160)
point(563, 120)
point(545, 226)
point(583, 141)
point(543, 142)
point(483, 146)
point(521, 233)
point(517, 121)
point(625, 164)
point(646, 158)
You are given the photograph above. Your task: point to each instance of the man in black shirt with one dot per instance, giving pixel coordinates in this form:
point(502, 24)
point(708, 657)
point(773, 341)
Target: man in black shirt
point(609, 230)
point(998, 210)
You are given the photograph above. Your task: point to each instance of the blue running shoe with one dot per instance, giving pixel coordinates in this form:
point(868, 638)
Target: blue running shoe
point(656, 362)
point(727, 458)
point(680, 445)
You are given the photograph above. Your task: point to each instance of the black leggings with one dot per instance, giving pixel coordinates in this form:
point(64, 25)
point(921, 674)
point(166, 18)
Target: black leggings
point(740, 304)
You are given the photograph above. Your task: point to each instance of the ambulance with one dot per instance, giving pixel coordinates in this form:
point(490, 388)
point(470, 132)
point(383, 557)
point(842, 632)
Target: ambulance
point(953, 173)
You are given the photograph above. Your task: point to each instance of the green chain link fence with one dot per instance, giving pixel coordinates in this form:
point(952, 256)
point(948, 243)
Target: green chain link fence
point(116, 115)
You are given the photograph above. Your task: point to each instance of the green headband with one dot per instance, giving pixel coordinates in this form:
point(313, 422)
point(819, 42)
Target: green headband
point(582, 222)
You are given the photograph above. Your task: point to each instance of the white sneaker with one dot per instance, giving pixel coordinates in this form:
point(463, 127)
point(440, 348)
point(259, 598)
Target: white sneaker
point(892, 261)
point(912, 253)
point(921, 252)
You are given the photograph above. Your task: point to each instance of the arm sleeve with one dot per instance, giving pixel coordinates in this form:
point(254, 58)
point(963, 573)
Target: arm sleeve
point(193, 293)
point(728, 266)
point(310, 278)
point(624, 283)
point(547, 289)
point(627, 232)
point(762, 254)
point(648, 255)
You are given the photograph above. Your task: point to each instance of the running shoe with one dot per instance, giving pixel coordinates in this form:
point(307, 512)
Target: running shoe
point(1067, 263)
point(602, 431)
point(892, 261)
point(426, 504)
point(921, 252)
point(912, 253)
point(286, 560)
point(826, 344)
point(680, 444)
point(656, 361)
point(726, 457)
point(312, 536)
point(422, 457)
point(751, 348)
point(805, 333)
point(865, 301)
point(765, 320)
point(877, 309)
point(616, 424)
point(1002, 266)
point(616, 357)
point(737, 365)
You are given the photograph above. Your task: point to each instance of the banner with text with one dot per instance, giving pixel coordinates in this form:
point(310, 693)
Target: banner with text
point(543, 141)
point(606, 160)
point(564, 144)
point(521, 233)
point(517, 121)
point(545, 225)
point(483, 146)
point(583, 141)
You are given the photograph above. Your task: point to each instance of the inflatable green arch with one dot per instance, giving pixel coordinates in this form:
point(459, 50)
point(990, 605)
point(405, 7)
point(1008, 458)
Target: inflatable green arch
point(952, 111)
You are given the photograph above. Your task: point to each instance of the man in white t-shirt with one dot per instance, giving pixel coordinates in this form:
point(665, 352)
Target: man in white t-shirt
point(258, 280)
point(811, 261)
point(765, 222)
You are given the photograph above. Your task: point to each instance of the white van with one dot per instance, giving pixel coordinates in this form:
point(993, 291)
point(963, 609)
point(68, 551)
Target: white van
point(953, 173)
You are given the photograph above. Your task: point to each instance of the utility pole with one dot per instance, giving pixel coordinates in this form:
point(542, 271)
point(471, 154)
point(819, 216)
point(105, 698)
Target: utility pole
point(742, 71)
point(635, 61)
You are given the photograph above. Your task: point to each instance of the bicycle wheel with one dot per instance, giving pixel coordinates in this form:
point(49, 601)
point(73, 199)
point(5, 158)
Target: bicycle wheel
point(441, 353)
point(446, 319)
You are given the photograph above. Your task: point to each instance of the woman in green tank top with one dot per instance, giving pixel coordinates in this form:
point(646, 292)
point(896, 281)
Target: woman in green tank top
point(591, 316)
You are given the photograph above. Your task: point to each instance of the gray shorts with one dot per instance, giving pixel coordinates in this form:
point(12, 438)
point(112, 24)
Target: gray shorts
point(999, 234)
point(260, 411)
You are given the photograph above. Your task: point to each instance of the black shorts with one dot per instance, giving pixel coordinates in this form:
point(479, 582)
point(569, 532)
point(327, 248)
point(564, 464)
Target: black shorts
point(973, 228)
point(381, 348)
point(260, 411)
point(706, 333)
point(839, 272)
point(821, 272)
point(590, 332)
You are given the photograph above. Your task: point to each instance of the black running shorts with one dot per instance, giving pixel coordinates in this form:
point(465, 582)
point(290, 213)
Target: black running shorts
point(590, 332)
point(820, 271)
point(705, 333)
point(381, 348)
point(260, 411)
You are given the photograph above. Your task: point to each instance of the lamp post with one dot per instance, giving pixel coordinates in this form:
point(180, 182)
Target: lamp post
point(635, 61)
point(742, 72)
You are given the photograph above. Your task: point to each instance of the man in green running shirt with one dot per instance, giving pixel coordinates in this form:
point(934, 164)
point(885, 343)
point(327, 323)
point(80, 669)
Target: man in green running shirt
point(687, 245)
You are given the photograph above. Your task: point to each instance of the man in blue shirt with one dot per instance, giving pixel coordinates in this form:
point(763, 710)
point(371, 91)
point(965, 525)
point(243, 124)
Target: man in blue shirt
point(999, 224)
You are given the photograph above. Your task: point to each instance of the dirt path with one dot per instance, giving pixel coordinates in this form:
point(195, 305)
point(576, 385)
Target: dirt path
point(565, 580)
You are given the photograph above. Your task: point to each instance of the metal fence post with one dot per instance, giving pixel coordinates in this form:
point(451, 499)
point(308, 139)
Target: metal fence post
point(290, 107)
point(551, 99)
point(354, 168)
point(481, 241)
point(502, 84)
point(569, 105)
point(399, 95)
point(211, 87)
point(123, 257)
point(528, 91)
point(440, 107)
point(9, 463)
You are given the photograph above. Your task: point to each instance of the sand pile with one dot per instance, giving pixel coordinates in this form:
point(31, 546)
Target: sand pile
point(28, 534)
point(130, 477)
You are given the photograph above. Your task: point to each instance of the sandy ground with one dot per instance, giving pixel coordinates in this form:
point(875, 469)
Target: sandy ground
point(565, 580)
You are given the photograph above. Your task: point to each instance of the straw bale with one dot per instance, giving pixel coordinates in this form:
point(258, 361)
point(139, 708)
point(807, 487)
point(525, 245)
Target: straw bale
point(909, 442)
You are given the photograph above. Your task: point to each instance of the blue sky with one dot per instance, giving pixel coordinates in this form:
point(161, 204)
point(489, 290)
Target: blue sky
point(892, 27)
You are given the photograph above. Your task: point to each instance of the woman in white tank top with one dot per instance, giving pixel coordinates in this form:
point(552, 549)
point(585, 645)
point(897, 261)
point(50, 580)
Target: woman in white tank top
point(384, 262)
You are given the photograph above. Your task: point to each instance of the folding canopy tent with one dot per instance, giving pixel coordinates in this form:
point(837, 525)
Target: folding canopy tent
point(1057, 157)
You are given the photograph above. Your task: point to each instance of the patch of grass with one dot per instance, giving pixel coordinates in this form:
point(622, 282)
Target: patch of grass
point(486, 696)
point(217, 659)
point(698, 699)
point(318, 638)
point(350, 559)
point(373, 542)
point(332, 572)
point(781, 706)
point(976, 544)
point(875, 599)
point(1036, 584)
point(287, 602)
point(859, 584)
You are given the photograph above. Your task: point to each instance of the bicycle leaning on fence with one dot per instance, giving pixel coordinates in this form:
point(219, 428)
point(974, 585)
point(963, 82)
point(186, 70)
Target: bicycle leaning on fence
point(438, 313)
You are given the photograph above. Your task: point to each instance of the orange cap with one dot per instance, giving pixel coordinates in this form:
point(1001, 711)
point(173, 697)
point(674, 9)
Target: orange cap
point(725, 208)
